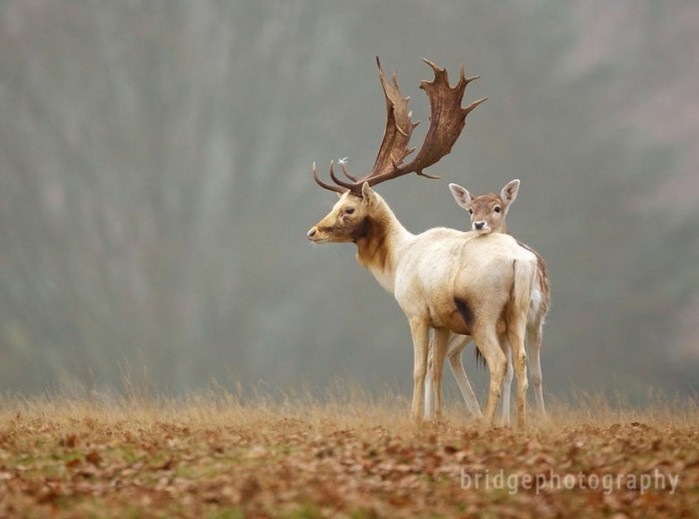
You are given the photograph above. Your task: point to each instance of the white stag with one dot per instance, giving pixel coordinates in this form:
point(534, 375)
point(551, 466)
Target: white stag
point(443, 279)
point(488, 215)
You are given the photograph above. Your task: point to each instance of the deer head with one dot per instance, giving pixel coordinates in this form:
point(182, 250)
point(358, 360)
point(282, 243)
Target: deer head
point(347, 220)
point(487, 211)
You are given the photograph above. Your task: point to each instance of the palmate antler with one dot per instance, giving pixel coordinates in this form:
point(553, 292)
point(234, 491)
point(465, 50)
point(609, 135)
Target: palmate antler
point(447, 120)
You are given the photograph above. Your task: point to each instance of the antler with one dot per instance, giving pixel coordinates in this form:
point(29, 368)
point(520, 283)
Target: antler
point(447, 120)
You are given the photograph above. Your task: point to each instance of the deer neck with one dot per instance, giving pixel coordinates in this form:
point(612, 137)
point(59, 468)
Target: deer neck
point(379, 240)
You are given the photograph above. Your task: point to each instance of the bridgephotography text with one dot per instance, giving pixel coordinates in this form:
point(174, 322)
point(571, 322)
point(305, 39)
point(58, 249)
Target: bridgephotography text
point(655, 481)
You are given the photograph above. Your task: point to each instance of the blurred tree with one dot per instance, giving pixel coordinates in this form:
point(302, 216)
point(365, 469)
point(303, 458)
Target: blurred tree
point(155, 185)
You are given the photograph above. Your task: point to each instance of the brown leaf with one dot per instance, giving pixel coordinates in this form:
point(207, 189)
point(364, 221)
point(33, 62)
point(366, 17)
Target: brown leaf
point(94, 458)
point(168, 464)
point(73, 463)
point(69, 441)
point(251, 487)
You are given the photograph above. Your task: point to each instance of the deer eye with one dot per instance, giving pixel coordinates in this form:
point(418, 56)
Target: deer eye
point(497, 209)
point(348, 210)
point(470, 211)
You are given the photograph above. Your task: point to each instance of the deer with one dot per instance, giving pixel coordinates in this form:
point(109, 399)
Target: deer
point(445, 280)
point(488, 215)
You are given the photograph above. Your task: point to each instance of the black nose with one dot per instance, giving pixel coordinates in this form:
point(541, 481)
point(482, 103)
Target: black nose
point(479, 225)
point(311, 233)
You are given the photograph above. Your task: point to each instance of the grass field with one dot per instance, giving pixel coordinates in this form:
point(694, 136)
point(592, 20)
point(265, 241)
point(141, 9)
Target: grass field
point(213, 456)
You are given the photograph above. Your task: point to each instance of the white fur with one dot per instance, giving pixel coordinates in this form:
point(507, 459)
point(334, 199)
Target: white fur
point(536, 314)
point(427, 272)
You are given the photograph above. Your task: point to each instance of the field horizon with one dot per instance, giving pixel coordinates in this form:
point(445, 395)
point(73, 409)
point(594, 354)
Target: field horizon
point(348, 454)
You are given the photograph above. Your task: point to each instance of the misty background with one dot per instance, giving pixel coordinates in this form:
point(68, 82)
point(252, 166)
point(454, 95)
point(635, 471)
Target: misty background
point(155, 186)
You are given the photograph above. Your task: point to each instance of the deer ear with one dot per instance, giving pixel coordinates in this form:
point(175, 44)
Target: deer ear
point(368, 194)
point(461, 195)
point(509, 192)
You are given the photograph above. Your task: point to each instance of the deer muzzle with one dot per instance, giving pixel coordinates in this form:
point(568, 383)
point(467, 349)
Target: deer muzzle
point(312, 234)
point(480, 226)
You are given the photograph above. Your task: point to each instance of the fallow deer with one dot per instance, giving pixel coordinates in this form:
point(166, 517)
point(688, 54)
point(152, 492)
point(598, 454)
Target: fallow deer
point(487, 213)
point(443, 279)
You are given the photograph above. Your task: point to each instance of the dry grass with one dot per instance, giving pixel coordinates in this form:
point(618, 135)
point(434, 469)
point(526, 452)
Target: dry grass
point(217, 455)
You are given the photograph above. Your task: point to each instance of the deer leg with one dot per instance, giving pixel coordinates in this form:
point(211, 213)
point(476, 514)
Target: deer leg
point(456, 346)
point(515, 335)
point(439, 350)
point(429, 385)
point(419, 330)
point(507, 384)
point(534, 338)
point(489, 346)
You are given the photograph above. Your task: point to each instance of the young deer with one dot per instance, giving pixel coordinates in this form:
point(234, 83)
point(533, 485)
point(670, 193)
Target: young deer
point(443, 279)
point(487, 214)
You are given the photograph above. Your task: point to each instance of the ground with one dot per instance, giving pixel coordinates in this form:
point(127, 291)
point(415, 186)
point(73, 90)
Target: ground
point(215, 456)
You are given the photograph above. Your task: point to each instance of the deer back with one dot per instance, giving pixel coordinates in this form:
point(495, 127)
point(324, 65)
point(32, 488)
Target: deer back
point(445, 274)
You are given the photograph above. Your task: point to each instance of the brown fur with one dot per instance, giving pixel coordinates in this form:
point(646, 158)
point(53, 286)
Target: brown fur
point(371, 243)
point(542, 278)
point(483, 207)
